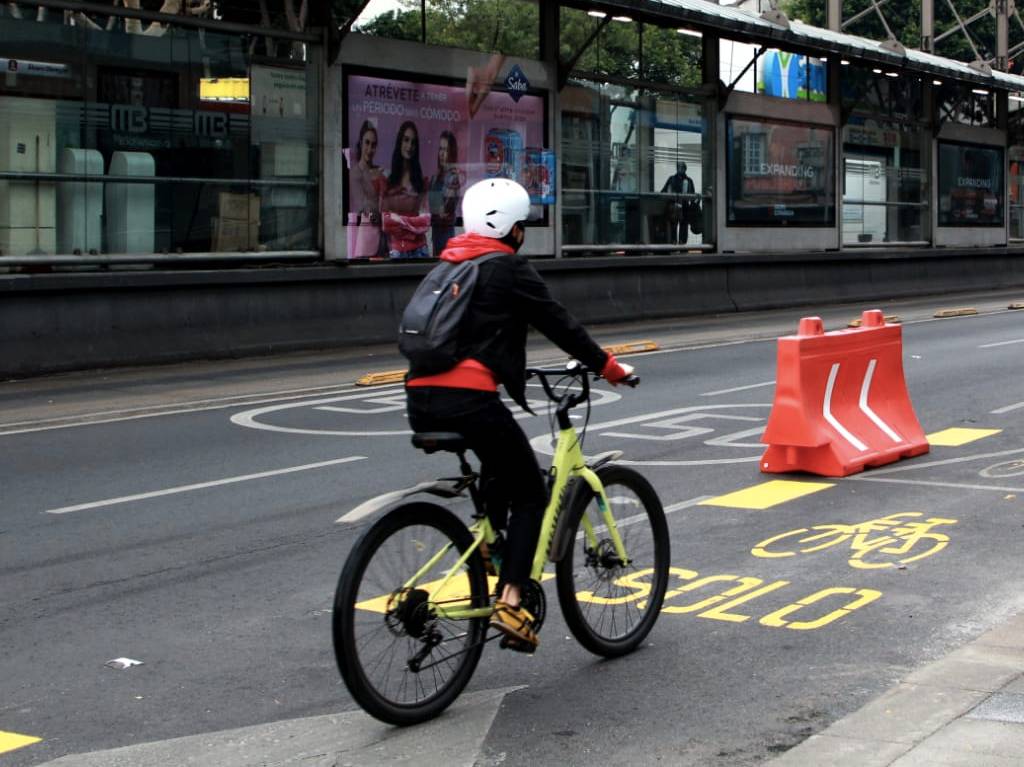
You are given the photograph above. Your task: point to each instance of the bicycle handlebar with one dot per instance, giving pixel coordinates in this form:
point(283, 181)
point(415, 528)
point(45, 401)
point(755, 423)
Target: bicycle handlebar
point(576, 370)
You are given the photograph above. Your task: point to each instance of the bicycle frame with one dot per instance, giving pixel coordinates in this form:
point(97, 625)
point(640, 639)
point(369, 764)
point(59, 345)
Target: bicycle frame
point(568, 463)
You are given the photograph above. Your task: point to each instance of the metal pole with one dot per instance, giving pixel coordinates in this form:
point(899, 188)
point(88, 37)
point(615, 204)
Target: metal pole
point(928, 26)
point(834, 15)
point(1002, 35)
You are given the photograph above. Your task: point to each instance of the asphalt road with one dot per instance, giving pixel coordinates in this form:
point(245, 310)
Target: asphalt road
point(183, 517)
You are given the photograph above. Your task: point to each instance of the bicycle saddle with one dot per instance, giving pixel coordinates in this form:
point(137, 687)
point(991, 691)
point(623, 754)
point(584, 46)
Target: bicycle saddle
point(432, 441)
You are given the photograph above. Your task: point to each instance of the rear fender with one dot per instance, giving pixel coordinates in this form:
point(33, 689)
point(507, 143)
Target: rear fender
point(440, 487)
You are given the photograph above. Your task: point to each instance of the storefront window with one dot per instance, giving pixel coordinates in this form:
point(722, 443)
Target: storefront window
point(200, 142)
point(779, 174)
point(885, 176)
point(970, 184)
point(634, 168)
point(415, 145)
point(1016, 158)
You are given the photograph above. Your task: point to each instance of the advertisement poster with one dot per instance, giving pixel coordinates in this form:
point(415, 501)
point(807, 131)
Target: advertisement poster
point(780, 174)
point(412, 148)
point(970, 185)
point(791, 76)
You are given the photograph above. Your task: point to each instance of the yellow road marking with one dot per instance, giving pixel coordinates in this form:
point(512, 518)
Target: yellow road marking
point(767, 494)
point(956, 436)
point(9, 741)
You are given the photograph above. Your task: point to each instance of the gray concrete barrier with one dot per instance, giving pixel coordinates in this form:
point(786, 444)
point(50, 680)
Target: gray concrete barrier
point(60, 322)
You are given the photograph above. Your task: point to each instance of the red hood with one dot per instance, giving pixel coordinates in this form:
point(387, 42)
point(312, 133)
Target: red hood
point(466, 246)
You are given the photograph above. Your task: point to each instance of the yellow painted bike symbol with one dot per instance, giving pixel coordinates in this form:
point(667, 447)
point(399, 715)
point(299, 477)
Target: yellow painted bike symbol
point(884, 542)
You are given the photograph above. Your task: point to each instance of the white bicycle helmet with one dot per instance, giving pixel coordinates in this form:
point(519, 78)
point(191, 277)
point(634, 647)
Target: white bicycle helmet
point(493, 206)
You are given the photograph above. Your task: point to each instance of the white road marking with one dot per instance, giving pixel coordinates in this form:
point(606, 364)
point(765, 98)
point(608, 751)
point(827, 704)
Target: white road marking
point(963, 459)
point(635, 518)
point(1007, 409)
point(737, 388)
point(202, 485)
point(1002, 343)
point(929, 483)
point(826, 410)
point(180, 408)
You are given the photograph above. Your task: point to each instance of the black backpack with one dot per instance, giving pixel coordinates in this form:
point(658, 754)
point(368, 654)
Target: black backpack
point(429, 334)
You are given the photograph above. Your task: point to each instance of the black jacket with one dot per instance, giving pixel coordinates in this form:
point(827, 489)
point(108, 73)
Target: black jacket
point(510, 296)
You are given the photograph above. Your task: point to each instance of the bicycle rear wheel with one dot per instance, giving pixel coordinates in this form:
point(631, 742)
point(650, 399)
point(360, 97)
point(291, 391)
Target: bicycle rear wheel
point(402, 661)
point(611, 605)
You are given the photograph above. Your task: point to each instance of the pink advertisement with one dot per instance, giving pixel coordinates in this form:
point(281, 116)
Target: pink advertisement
point(414, 147)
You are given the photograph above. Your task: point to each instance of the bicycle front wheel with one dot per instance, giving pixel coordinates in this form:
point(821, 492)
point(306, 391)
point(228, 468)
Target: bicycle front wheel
point(610, 605)
point(403, 658)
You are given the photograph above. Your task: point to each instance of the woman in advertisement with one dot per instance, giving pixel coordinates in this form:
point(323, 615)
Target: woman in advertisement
point(444, 192)
point(366, 184)
point(404, 211)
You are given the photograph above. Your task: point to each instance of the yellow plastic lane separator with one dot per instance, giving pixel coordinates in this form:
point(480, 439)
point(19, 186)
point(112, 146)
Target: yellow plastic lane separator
point(632, 347)
point(890, 319)
point(961, 312)
point(397, 376)
point(767, 494)
point(9, 741)
point(1016, 305)
point(381, 378)
point(957, 436)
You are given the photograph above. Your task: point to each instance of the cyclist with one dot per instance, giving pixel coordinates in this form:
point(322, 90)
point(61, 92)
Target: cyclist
point(509, 296)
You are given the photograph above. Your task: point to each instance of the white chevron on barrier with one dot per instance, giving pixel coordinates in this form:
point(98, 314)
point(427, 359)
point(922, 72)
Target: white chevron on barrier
point(864, 407)
point(871, 413)
point(827, 412)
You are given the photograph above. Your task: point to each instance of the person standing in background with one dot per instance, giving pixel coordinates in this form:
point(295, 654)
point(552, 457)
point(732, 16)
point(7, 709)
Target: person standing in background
point(444, 192)
point(404, 211)
point(366, 184)
point(678, 210)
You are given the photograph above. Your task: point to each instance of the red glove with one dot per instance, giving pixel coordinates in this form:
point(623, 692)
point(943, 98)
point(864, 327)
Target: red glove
point(614, 372)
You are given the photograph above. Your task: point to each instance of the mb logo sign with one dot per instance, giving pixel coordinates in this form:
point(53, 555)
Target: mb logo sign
point(128, 118)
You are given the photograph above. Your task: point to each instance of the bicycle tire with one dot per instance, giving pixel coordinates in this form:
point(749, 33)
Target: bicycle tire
point(372, 614)
point(581, 571)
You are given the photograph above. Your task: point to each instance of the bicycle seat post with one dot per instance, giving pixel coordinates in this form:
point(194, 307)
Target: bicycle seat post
point(474, 493)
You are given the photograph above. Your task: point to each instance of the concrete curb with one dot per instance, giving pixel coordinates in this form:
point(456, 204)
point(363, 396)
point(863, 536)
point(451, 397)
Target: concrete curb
point(965, 709)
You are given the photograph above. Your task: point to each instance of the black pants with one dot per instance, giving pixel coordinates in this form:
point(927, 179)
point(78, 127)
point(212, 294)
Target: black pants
point(510, 476)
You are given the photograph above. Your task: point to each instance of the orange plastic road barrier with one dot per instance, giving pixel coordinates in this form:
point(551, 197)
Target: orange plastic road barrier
point(841, 402)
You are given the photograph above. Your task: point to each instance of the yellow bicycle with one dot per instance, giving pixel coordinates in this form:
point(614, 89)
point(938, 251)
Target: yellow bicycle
point(413, 601)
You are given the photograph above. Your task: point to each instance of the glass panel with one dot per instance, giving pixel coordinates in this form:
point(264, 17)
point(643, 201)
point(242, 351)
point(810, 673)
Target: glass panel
point(966, 105)
point(672, 58)
point(774, 73)
point(202, 147)
point(875, 92)
point(779, 174)
point(615, 51)
point(395, 19)
point(970, 185)
point(511, 26)
point(885, 186)
point(632, 168)
point(791, 76)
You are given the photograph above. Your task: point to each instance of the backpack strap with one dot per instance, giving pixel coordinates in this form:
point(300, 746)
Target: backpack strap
point(488, 256)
